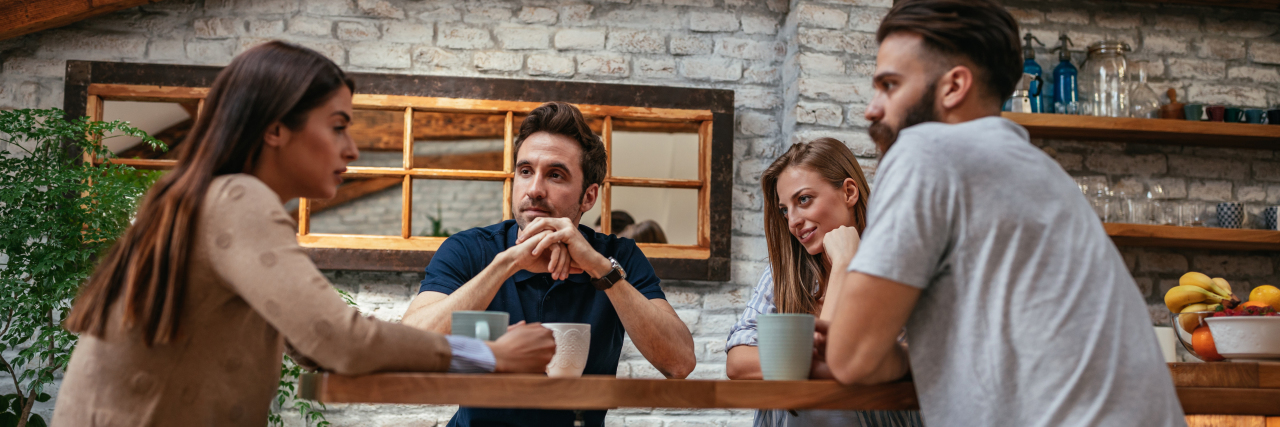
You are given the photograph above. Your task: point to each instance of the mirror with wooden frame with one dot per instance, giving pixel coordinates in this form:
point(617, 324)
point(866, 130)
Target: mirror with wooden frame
point(437, 159)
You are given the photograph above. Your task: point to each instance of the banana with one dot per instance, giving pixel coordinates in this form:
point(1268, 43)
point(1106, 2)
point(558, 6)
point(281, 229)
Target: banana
point(1222, 287)
point(1190, 322)
point(1199, 280)
point(1181, 296)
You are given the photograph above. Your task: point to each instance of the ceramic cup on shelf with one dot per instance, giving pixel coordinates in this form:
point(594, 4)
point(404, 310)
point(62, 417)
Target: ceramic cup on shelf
point(1216, 113)
point(786, 346)
point(1194, 112)
point(1255, 116)
point(1273, 116)
point(1230, 214)
point(1234, 115)
point(573, 343)
point(481, 325)
point(1269, 218)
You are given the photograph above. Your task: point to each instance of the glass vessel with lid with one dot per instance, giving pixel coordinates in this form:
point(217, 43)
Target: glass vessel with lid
point(1143, 101)
point(1104, 80)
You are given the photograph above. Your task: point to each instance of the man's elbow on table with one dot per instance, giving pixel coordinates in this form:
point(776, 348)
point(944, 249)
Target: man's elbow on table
point(852, 370)
point(683, 367)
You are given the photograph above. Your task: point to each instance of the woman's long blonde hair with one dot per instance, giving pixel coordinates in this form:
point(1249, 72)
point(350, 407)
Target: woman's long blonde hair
point(794, 270)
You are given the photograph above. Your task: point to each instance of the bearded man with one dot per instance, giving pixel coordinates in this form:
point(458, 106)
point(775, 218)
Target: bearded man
point(1018, 308)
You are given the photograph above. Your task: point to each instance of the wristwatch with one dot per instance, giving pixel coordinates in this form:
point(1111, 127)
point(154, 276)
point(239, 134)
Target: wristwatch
point(614, 276)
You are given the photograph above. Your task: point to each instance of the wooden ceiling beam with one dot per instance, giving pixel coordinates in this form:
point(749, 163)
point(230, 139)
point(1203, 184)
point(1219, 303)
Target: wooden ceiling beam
point(21, 17)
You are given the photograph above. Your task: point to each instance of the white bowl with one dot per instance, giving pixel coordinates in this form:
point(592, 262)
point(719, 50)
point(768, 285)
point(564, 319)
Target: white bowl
point(1246, 337)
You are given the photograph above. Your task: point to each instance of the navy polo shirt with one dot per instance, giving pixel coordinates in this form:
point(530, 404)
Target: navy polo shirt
point(537, 298)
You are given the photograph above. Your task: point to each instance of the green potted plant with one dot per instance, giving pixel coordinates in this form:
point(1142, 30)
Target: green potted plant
point(57, 213)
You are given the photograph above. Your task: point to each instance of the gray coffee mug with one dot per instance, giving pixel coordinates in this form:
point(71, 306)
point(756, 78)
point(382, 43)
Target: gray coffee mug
point(481, 325)
point(786, 346)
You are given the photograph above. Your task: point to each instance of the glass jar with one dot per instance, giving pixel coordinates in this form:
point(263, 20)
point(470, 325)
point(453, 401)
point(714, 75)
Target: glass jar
point(1143, 101)
point(1104, 80)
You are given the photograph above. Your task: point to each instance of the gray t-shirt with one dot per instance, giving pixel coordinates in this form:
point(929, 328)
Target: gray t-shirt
point(1027, 315)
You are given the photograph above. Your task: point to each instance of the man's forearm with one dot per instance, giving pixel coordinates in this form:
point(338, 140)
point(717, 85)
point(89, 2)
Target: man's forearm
point(659, 334)
point(476, 294)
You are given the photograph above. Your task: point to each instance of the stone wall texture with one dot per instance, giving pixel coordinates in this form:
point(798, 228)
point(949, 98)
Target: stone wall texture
point(800, 69)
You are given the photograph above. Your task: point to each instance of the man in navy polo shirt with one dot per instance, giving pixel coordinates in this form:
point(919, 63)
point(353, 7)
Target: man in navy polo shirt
point(543, 266)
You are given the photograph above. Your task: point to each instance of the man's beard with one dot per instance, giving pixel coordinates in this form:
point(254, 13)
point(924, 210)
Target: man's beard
point(574, 214)
point(922, 111)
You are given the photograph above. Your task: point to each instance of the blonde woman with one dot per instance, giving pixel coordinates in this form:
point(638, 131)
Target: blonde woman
point(820, 206)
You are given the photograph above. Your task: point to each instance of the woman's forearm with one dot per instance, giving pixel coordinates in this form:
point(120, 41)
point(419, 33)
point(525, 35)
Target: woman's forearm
point(743, 363)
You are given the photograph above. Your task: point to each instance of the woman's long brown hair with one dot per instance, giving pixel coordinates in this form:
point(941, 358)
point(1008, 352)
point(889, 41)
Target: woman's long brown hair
point(794, 270)
point(148, 266)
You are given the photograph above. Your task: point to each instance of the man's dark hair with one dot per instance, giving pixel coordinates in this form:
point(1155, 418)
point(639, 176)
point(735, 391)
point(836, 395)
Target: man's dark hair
point(564, 119)
point(979, 31)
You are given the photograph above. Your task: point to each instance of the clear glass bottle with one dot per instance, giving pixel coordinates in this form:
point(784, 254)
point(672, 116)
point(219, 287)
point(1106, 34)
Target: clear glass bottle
point(1104, 80)
point(1143, 101)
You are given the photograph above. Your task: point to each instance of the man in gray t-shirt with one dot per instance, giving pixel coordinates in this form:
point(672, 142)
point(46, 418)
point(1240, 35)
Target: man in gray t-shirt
point(1018, 308)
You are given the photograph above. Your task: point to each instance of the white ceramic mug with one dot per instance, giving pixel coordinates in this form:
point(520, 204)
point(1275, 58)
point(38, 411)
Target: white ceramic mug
point(573, 342)
point(481, 325)
point(786, 346)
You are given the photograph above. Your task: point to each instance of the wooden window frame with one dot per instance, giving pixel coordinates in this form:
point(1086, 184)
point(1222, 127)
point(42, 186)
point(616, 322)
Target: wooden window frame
point(90, 83)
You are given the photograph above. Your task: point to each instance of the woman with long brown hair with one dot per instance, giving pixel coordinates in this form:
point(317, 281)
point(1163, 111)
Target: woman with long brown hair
point(820, 206)
point(185, 319)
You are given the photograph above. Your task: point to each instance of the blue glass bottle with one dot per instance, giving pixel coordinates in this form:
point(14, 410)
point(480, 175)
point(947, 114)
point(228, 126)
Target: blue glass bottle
point(1065, 89)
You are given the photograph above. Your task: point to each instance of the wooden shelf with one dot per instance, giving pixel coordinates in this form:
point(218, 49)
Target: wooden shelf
point(1244, 4)
point(1172, 132)
point(1193, 237)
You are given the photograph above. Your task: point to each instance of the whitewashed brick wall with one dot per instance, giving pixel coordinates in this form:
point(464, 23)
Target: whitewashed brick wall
point(799, 69)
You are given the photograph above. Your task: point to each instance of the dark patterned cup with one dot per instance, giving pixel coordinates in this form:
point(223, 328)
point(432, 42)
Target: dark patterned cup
point(1230, 214)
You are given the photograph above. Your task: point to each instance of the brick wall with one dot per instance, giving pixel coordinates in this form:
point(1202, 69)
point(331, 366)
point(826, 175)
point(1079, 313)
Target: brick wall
point(799, 70)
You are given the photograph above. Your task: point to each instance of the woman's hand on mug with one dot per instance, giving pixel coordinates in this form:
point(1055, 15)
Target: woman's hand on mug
point(840, 244)
point(526, 348)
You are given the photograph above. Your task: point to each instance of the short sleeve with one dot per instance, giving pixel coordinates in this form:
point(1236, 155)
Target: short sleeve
point(745, 331)
point(908, 230)
point(453, 264)
point(640, 273)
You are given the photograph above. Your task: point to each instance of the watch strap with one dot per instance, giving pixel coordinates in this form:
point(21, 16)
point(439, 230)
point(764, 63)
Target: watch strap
point(608, 280)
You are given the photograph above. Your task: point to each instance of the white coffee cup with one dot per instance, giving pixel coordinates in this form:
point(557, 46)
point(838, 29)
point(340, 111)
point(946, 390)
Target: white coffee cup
point(1168, 343)
point(573, 342)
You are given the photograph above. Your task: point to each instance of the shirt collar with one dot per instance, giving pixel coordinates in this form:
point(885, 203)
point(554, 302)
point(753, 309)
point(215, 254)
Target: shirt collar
point(513, 233)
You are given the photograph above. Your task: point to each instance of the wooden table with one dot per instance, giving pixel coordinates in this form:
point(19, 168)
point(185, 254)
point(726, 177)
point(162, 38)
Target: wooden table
point(1212, 394)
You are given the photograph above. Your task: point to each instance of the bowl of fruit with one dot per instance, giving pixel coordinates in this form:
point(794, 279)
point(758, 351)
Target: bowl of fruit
point(1213, 324)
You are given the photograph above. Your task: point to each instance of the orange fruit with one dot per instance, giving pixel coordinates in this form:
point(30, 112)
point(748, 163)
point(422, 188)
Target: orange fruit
point(1267, 294)
point(1258, 304)
point(1202, 342)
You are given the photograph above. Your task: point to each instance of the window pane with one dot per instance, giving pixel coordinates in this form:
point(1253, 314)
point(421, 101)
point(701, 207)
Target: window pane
point(449, 206)
point(673, 210)
point(362, 206)
point(655, 150)
point(379, 134)
point(458, 140)
point(167, 121)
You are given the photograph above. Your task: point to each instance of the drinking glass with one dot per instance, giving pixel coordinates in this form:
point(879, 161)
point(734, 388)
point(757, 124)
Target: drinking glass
point(1198, 214)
